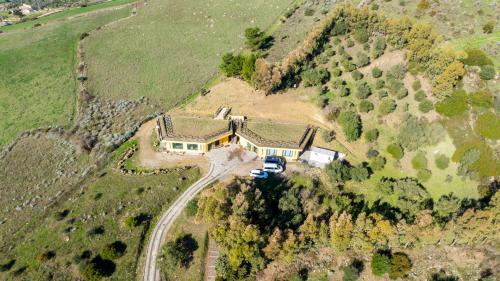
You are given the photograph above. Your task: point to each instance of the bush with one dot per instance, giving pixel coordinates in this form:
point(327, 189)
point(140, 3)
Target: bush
point(248, 68)
point(257, 39)
point(423, 5)
point(351, 125)
point(489, 27)
point(379, 47)
point(351, 273)
point(481, 99)
point(309, 12)
point(420, 95)
point(338, 83)
point(379, 84)
point(397, 72)
point(383, 94)
point(328, 136)
point(347, 65)
point(424, 175)
point(378, 163)
point(371, 135)
point(344, 91)
point(386, 106)
point(181, 250)
point(61, 215)
point(98, 268)
point(442, 161)
point(114, 250)
point(400, 266)
point(425, 106)
point(361, 35)
point(338, 171)
point(363, 90)
point(7, 265)
point(416, 85)
point(488, 125)
point(381, 263)
point(419, 161)
point(97, 230)
point(365, 106)
point(231, 65)
point(394, 86)
point(359, 173)
point(45, 256)
point(336, 72)
point(315, 77)
point(412, 133)
point(396, 151)
point(376, 72)
point(349, 43)
point(454, 105)
point(363, 59)
point(371, 153)
point(476, 57)
point(402, 93)
point(356, 75)
point(487, 72)
point(192, 207)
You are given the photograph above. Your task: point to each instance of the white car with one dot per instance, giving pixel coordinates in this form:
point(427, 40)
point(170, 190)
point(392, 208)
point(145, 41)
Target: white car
point(259, 174)
point(273, 168)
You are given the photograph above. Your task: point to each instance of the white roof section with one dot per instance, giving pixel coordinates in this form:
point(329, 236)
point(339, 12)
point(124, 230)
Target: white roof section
point(324, 151)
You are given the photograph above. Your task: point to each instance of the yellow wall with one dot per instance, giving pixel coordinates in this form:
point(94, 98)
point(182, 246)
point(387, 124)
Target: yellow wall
point(203, 147)
point(261, 151)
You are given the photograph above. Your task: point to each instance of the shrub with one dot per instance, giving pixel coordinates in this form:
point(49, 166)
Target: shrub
point(361, 35)
point(351, 125)
point(420, 95)
point(487, 72)
point(61, 215)
point(423, 5)
point(386, 106)
point(454, 105)
point(350, 43)
point(379, 47)
point(7, 265)
point(382, 94)
point(338, 83)
point(359, 173)
point(344, 91)
point(477, 57)
point(379, 84)
point(365, 106)
point(257, 39)
point(396, 151)
point(419, 161)
point(97, 230)
point(442, 161)
point(489, 27)
point(447, 206)
point(45, 256)
point(378, 163)
point(394, 86)
point(347, 65)
point(363, 90)
point(231, 65)
point(248, 68)
point(338, 171)
point(371, 135)
point(315, 77)
point(328, 135)
point(309, 12)
point(363, 59)
point(114, 250)
point(425, 106)
point(351, 273)
point(336, 72)
point(397, 72)
point(192, 208)
point(400, 266)
point(356, 75)
point(98, 268)
point(371, 153)
point(412, 133)
point(402, 93)
point(416, 85)
point(381, 263)
point(481, 99)
point(376, 72)
point(488, 125)
point(424, 175)
point(181, 250)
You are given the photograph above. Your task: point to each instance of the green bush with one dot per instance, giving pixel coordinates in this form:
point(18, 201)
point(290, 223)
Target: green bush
point(336, 72)
point(351, 125)
point(419, 161)
point(402, 93)
point(347, 64)
point(356, 75)
point(397, 72)
point(382, 94)
point(192, 207)
point(481, 99)
point(379, 47)
point(181, 250)
point(315, 77)
point(488, 125)
point(442, 161)
point(425, 106)
point(396, 151)
point(257, 39)
point(376, 72)
point(361, 35)
point(371, 153)
point(487, 72)
point(350, 43)
point(97, 268)
point(231, 65)
point(351, 273)
point(379, 84)
point(248, 67)
point(328, 135)
point(386, 106)
point(365, 106)
point(477, 57)
point(378, 163)
point(381, 263)
point(400, 266)
point(309, 12)
point(424, 175)
point(359, 173)
point(344, 91)
point(114, 250)
point(371, 135)
point(420, 95)
point(363, 90)
point(363, 59)
point(489, 27)
point(416, 85)
point(454, 105)
point(338, 83)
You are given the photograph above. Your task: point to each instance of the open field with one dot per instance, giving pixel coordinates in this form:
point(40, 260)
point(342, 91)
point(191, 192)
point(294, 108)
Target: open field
point(91, 217)
point(171, 48)
point(38, 83)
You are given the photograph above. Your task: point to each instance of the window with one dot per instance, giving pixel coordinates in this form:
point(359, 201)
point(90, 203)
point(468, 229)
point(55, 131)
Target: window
point(177, 145)
point(192, 146)
point(270, 151)
point(287, 153)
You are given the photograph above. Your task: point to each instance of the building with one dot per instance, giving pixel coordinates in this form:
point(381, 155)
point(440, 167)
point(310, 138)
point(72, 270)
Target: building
point(26, 9)
point(191, 134)
point(320, 157)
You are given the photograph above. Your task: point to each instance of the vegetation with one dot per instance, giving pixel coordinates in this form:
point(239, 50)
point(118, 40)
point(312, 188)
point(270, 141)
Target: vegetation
point(488, 125)
point(256, 39)
point(453, 105)
point(315, 77)
point(396, 150)
point(351, 125)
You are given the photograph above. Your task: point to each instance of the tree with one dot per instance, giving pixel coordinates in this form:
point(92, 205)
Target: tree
point(328, 135)
point(396, 150)
point(97, 268)
point(181, 250)
point(400, 266)
point(363, 59)
point(231, 65)
point(365, 106)
point(379, 47)
point(411, 196)
point(376, 72)
point(363, 90)
point(341, 227)
point(114, 250)
point(351, 125)
point(338, 171)
point(371, 135)
point(412, 134)
point(361, 35)
point(487, 72)
point(442, 161)
point(489, 27)
point(315, 77)
point(248, 67)
point(257, 39)
point(356, 75)
point(377, 163)
point(359, 173)
point(425, 106)
point(397, 72)
point(381, 263)
point(447, 206)
point(386, 106)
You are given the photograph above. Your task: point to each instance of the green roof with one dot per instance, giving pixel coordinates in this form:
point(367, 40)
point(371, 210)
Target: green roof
point(185, 128)
point(275, 134)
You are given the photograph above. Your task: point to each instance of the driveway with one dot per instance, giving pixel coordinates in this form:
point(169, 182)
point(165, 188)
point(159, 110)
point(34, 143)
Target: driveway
point(223, 161)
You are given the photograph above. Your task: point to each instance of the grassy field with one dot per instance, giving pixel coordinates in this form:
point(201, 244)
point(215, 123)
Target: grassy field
point(171, 48)
point(95, 215)
point(38, 85)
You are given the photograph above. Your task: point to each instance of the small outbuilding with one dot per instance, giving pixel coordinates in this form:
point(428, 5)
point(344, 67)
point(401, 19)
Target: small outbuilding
point(320, 157)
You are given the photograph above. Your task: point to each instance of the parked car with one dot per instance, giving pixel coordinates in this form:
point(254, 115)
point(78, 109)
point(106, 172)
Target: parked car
point(259, 174)
point(274, 160)
point(272, 168)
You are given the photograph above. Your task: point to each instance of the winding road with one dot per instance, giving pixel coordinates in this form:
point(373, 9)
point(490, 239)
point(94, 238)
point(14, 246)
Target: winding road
point(222, 162)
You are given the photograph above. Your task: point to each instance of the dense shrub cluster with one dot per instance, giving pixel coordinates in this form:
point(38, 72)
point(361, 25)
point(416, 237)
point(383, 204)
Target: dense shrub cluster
point(351, 125)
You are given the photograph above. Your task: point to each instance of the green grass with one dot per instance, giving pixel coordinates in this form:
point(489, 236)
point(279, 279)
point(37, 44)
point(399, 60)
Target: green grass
point(37, 84)
point(170, 49)
point(65, 14)
point(488, 125)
